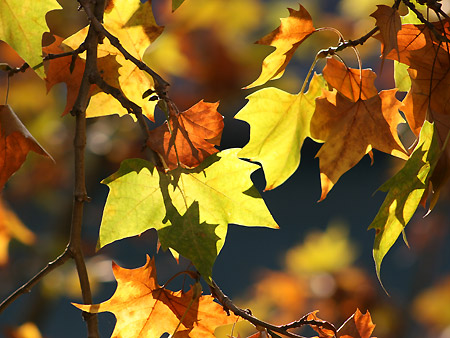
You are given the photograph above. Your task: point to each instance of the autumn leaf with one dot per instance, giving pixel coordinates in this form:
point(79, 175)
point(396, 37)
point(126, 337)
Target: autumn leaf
point(132, 22)
point(347, 81)
point(197, 203)
point(191, 137)
point(429, 70)
point(146, 310)
point(405, 191)
point(26, 330)
point(292, 31)
point(357, 326)
point(389, 23)
point(22, 25)
point(58, 70)
point(351, 130)
point(11, 227)
point(279, 123)
point(15, 144)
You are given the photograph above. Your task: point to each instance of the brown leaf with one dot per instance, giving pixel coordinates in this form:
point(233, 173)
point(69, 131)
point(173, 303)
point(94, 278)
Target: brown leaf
point(389, 22)
point(351, 129)
point(347, 81)
point(191, 138)
point(286, 39)
point(15, 143)
point(146, 310)
point(11, 227)
point(429, 96)
point(357, 326)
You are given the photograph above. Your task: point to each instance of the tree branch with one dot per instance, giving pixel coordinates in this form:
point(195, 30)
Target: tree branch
point(228, 305)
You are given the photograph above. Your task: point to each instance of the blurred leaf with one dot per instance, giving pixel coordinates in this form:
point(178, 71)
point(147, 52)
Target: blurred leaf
point(22, 24)
point(11, 227)
point(26, 330)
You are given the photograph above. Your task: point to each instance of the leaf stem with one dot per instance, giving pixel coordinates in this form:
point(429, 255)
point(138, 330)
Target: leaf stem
point(302, 91)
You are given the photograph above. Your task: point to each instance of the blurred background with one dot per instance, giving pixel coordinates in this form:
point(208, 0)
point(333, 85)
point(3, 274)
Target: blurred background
point(320, 258)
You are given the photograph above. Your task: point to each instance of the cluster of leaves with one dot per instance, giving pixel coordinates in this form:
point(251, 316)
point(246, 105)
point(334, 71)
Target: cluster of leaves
point(190, 192)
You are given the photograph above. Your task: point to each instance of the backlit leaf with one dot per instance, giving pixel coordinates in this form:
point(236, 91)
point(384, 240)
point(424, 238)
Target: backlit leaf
point(292, 31)
point(132, 22)
point(201, 201)
point(146, 310)
point(191, 136)
point(351, 130)
point(279, 123)
point(389, 22)
point(347, 81)
point(405, 191)
point(22, 24)
point(15, 144)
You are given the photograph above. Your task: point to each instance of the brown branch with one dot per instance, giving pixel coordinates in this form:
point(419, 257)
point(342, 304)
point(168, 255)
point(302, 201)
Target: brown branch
point(428, 24)
point(161, 85)
point(26, 288)
point(228, 305)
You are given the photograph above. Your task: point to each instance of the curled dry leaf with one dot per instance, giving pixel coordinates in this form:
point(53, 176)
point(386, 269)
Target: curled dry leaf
point(15, 143)
point(191, 136)
point(292, 31)
point(146, 310)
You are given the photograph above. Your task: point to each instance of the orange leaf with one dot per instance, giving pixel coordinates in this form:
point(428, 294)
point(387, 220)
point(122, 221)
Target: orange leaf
point(429, 96)
point(15, 143)
point(286, 38)
point(351, 129)
point(357, 326)
point(11, 227)
point(146, 310)
point(389, 22)
point(347, 81)
point(192, 135)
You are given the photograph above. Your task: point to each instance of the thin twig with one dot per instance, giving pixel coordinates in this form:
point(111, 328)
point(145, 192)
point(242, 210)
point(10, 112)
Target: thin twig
point(161, 85)
point(228, 305)
point(430, 26)
point(26, 288)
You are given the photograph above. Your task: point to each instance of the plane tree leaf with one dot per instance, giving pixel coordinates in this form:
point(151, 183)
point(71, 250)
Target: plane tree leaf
point(15, 144)
point(132, 22)
point(352, 83)
point(405, 191)
point(292, 31)
point(352, 129)
point(11, 227)
point(278, 121)
point(191, 137)
point(198, 203)
point(389, 23)
point(22, 24)
point(144, 309)
point(429, 71)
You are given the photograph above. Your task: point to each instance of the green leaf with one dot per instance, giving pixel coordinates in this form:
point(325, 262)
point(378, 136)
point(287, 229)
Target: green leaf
point(184, 204)
point(411, 17)
point(22, 24)
point(401, 76)
point(405, 191)
point(176, 4)
point(279, 123)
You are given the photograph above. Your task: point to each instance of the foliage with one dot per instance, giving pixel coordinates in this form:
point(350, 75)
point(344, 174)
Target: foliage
point(188, 190)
